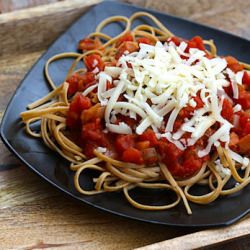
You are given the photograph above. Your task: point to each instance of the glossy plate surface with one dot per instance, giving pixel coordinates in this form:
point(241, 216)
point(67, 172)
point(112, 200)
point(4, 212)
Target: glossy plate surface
point(54, 169)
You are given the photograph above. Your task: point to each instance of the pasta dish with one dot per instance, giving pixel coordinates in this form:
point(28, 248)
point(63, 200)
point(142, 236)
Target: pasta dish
point(149, 110)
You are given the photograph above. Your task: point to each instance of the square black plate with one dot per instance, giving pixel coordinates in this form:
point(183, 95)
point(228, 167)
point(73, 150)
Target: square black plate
point(55, 170)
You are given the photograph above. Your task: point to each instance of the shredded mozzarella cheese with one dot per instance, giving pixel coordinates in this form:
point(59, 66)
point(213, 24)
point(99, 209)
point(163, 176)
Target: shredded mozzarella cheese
point(160, 82)
point(222, 171)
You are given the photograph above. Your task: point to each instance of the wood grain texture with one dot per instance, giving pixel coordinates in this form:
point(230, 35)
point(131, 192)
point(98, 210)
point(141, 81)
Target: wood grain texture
point(42, 217)
point(203, 238)
point(11, 73)
point(36, 28)
point(229, 15)
point(33, 214)
point(11, 5)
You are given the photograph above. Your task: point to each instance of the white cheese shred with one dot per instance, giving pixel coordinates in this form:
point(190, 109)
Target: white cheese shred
point(160, 83)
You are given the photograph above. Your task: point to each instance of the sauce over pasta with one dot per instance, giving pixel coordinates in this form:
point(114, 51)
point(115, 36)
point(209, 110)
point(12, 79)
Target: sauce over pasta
point(151, 110)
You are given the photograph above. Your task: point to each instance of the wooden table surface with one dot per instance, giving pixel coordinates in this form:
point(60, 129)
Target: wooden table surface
point(33, 214)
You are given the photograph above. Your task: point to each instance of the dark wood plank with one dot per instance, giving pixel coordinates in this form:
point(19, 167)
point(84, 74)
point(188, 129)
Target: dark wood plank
point(209, 237)
point(241, 243)
point(11, 5)
point(11, 74)
point(229, 15)
point(36, 28)
point(38, 216)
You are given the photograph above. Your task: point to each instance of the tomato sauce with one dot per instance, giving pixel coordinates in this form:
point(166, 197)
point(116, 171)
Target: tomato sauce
point(86, 117)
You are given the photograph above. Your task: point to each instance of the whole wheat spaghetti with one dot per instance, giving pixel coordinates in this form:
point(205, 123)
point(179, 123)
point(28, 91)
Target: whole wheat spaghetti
point(149, 110)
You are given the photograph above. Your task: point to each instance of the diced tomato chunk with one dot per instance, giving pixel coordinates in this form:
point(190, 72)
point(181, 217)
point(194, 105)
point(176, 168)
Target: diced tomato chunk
point(73, 84)
point(126, 46)
point(244, 144)
point(244, 123)
point(142, 145)
point(124, 142)
point(125, 38)
point(89, 44)
point(244, 119)
point(244, 98)
point(132, 155)
point(92, 133)
point(150, 136)
point(72, 120)
point(198, 43)
point(94, 61)
point(191, 163)
point(227, 110)
point(88, 149)
point(231, 60)
point(247, 129)
point(169, 152)
point(244, 101)
point(195, 42)
point(187, 111)
point(246, 79)
point(144, 40)
point(234, 64)
point(190, 167)
point(80, 82)
point(180, 163)
point(92, 113)
point(191, 44)
point(236, 67)
point(78, 104)
point(176, 40)
point(170, 155)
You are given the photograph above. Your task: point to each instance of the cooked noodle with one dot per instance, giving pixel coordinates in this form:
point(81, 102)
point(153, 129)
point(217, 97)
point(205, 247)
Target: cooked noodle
point(115, 175)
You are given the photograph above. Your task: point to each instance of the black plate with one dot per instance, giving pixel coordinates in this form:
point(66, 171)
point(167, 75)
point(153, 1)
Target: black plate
point(54, 169)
